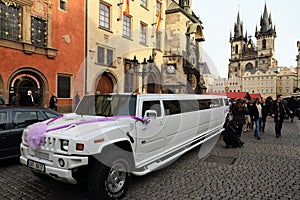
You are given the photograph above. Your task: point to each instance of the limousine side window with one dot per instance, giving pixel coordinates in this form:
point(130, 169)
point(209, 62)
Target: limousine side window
point(204, 104)
point(172, 107)
point(3, 120)
point(215, 103)
point(152, 105)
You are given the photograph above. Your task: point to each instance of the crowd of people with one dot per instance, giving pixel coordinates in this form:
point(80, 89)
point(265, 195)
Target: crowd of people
point(251, 115)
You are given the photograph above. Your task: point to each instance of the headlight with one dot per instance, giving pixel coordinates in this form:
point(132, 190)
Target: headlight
point(64, 145)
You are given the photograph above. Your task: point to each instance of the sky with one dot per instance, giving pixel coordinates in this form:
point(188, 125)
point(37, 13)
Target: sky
point(218, 18)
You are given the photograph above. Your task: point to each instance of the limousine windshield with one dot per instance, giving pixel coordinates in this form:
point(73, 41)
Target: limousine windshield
point(107, 105)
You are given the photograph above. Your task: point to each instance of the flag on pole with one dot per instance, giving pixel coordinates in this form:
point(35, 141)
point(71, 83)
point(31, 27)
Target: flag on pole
point(127, 8)
point(158, 20)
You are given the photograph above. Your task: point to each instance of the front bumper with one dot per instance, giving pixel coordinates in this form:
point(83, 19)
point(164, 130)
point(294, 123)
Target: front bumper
point(51, 162)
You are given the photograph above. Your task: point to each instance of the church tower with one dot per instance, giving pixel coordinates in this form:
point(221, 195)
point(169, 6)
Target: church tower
point(266, 42)
point(238, 45)
point(246, 56)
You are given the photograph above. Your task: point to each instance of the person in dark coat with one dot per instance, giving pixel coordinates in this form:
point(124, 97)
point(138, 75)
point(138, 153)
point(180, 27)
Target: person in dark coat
point(230, 135)
point(29, 101)
point(293, 105)
point(279, 110)
point(53, 102)
point(239, 115)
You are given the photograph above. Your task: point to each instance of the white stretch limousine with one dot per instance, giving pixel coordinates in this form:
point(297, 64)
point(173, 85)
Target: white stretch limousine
point(112, 136)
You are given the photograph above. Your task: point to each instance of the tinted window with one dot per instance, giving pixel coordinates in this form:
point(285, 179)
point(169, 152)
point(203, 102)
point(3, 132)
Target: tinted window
point(3, 120)
point(22, 119)
point(189, 105)
point(172, 107)
point(215, 103)
point(152, 105)
point(49, 115)
point(204, 104)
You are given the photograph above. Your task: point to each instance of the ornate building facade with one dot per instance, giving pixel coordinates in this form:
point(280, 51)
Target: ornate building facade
point(143, 46)
point(42, 49)
point(248, 56)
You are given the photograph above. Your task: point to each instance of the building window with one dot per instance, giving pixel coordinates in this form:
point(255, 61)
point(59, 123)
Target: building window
point(143, 33)
point(100, 55)
point(109, 57)
point(267, 90)
point(104, 15)
point(105, 56)
point(144, 3)
point(271, 90)
point(158, 40)
point(127, 26)
point(236, 49)
point(63, 5)
point(10, 22)
point(64, 86)
point(38, 32)
point(264, 44)
point(287, 90)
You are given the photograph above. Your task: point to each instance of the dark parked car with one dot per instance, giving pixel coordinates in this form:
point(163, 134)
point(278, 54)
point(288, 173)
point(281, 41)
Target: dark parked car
point(13, 120)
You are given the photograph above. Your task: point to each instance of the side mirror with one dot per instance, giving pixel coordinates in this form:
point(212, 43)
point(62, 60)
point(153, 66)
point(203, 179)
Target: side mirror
point(150, 114)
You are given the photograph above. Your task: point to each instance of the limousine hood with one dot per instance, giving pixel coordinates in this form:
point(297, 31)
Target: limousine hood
point(78, 127)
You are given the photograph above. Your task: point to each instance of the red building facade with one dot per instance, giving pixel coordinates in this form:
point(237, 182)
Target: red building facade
point(42, 50)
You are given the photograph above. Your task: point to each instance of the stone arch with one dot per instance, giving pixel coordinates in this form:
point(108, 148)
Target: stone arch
point(105, 83)
point(28, 78)
point(195, 30)
point(154, 81)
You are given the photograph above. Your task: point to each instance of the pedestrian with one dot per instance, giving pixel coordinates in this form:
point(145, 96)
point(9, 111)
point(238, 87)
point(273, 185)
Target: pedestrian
point(29, 101)
point(250, 108)
point(239, 116)
point(265, 114)
point(15, 100)
point(247, 117)
point(279, 110)
point(257, 118)
point(77, 99)
point(2, 100)
point(292, 104)
point(53, 102)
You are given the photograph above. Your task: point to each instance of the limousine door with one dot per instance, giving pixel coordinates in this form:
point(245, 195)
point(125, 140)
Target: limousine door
point(150, 136)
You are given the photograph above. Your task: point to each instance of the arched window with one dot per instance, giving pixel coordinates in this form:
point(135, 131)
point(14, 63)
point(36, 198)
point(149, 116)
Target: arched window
point(264, 44)
point(236, 49)
point(249, 67)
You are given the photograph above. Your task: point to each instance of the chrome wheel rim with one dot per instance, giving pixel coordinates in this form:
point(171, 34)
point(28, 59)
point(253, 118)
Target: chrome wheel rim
point(116, 178)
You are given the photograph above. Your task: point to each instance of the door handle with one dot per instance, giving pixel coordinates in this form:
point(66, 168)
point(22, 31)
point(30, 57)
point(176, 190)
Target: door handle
point(161, 123)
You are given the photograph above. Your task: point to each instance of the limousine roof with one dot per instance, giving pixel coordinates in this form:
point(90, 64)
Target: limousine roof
point(171, 96)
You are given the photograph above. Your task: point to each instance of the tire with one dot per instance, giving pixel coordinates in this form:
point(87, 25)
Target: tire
point(110, 180)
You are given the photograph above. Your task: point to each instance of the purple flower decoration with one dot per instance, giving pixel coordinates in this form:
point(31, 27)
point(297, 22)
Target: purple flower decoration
point(35, 134)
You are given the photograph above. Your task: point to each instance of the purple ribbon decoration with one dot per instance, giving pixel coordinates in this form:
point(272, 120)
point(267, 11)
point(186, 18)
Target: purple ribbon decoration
point(35, 133)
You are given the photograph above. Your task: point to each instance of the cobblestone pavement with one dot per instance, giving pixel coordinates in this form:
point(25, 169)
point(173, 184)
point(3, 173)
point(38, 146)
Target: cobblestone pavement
point(263, 169)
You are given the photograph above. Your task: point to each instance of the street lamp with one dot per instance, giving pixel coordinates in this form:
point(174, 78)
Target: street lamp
point(146, 68)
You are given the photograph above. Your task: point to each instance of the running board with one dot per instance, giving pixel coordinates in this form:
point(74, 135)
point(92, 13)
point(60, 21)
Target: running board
point(174, 154)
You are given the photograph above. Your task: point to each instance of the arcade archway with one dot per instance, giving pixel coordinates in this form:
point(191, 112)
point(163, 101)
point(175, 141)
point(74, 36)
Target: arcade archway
point(29, 79)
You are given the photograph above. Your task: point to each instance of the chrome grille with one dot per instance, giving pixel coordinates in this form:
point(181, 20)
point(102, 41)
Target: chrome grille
point(41, 155)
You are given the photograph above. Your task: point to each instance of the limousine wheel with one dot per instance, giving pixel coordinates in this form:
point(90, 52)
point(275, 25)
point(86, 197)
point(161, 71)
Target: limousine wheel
point(110, 180)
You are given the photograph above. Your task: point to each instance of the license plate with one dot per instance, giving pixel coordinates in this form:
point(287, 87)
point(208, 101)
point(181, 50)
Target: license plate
point(36, 165)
